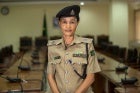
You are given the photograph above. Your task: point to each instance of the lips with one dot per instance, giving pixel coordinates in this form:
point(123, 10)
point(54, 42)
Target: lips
point(68, 30)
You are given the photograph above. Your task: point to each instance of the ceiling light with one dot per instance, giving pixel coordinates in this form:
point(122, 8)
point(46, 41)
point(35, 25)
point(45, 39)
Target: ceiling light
point(82, 3)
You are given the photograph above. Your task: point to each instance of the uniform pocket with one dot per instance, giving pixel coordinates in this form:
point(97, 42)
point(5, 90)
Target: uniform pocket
point(78, 60)
point(56, 61)
point(79, 64)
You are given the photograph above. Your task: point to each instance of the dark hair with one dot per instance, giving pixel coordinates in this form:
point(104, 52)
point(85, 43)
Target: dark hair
point(77, 17)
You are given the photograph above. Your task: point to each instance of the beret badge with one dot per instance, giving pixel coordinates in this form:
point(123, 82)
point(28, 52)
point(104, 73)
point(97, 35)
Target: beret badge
point(72, 12)
point(69, 11)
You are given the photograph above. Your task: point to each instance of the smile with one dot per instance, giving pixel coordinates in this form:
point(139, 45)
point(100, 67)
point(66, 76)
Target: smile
point(68, 30)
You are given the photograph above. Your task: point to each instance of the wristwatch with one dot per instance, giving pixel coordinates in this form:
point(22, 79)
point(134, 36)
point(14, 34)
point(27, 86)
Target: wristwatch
point(5, 10)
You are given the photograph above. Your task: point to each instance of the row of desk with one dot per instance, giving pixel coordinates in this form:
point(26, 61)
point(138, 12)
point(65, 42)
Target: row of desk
point(33, 81)
point(109, 81)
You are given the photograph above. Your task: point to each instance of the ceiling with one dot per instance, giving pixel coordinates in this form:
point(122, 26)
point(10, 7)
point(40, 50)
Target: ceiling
point(11, 2)
point(18, 1)
point(42, 0)
point(135, 3)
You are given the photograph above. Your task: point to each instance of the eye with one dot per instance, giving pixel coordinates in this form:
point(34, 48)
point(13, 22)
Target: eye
point(63, 22)
point(73, 22)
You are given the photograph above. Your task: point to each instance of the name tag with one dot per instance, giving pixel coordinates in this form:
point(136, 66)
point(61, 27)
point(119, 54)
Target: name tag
point(79, 55)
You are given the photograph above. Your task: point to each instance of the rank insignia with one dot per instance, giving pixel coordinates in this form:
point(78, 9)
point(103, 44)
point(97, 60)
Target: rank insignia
point(72, 12)
point(92, 52)
point(57, 57)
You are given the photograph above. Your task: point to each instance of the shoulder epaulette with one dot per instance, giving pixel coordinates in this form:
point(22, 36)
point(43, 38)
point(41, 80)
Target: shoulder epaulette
point(53, 42)
point(86, 40)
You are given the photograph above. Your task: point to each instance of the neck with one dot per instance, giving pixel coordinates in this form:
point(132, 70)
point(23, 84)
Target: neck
point(68, 39)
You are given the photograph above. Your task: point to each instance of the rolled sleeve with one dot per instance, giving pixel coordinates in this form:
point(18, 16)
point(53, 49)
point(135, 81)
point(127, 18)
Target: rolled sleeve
point(93, 66)
point(50, 66)
point(50, 69)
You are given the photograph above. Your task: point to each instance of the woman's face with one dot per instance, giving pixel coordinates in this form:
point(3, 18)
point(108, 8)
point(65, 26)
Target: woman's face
point(68, 25)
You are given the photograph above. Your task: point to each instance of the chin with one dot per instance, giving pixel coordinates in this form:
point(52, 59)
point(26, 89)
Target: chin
point(68, 34)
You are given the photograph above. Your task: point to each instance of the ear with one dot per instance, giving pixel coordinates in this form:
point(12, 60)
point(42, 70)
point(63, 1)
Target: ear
point(59, 22)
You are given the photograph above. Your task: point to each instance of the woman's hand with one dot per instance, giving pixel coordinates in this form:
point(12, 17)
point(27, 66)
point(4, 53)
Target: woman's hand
point(52, 83)
point(86, 84)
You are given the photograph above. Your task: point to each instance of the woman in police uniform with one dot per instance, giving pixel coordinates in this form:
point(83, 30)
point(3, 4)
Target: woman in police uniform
point(72, 61)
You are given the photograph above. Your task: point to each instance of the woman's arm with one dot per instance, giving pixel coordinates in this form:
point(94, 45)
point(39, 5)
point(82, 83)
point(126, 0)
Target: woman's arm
point(86, 84)
point(52, 83)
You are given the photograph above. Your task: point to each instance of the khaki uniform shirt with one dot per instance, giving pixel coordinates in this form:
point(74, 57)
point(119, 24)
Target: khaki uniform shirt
point(62, 61)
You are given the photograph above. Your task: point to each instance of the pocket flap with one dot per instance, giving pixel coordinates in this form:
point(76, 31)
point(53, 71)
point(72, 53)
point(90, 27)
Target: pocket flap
point(56, 61)
point(79, 60)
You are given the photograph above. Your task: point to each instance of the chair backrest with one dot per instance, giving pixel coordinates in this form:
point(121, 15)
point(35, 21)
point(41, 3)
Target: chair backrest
point(115, 50)
point(122, 52)
point(55, 37)
point(25, 41)
point(40, 42)
point(101, 39)
point(1, 57)
point(132, 55)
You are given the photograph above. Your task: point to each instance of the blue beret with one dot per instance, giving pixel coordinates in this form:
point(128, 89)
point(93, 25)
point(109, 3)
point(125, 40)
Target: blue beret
point(69, 11)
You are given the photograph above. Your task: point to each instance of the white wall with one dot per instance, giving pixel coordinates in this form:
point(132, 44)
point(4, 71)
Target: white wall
point(27, 20)
point(94, 20)
point(119, 22)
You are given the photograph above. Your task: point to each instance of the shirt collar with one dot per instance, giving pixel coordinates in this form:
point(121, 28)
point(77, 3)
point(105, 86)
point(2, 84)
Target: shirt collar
point(76, 40)
point(59, 41)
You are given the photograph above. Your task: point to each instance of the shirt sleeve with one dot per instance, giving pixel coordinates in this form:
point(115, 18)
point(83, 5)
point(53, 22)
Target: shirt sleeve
point(50, 66)
point(93, 66)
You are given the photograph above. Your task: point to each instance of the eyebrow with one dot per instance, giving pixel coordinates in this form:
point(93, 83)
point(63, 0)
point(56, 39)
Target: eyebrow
point(73, 18)
point(63, 19)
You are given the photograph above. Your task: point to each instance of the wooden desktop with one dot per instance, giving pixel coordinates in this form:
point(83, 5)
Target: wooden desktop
point(108, 80)
point(32, 80)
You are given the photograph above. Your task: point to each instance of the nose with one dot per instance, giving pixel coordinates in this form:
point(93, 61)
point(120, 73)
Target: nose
point(68, 25)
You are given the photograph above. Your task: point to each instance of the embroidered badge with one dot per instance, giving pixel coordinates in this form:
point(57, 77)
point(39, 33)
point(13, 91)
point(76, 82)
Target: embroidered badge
point(57, 57)
point(72, 12)
point(92, 52)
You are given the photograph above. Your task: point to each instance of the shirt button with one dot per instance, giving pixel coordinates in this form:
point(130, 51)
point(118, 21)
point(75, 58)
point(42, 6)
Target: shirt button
point(67, 53)
point(67, 91)
point(66, 81)
point(67, 61)
point(66, 72)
